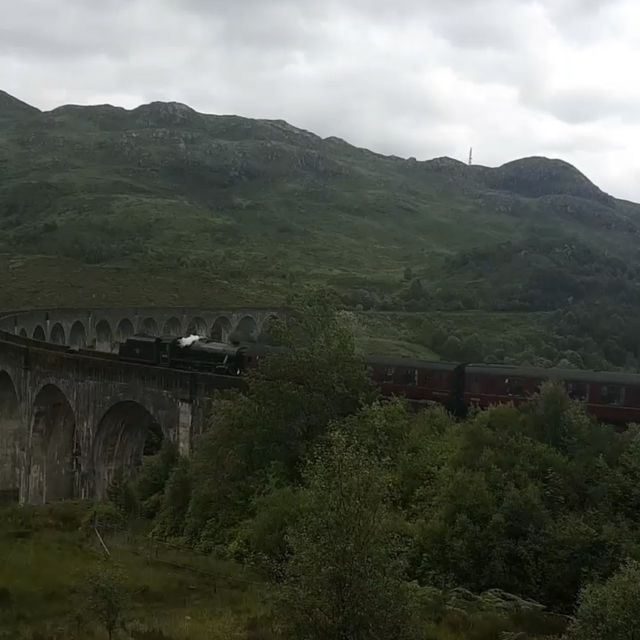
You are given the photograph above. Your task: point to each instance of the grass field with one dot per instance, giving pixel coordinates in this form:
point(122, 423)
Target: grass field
point(44, 561)
point(171, 593)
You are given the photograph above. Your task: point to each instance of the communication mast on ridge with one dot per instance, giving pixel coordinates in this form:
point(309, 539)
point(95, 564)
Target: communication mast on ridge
point(470, 155)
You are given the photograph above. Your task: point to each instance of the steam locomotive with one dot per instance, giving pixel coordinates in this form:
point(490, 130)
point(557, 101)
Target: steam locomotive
point(612, 397)
point(194, 354)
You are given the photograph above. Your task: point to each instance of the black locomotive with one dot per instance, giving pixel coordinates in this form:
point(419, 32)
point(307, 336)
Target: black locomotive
point(192, 354)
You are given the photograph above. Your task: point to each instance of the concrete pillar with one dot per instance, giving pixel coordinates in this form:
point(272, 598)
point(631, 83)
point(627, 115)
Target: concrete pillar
point(185, 417)
point(10, 431)
point(10, 436)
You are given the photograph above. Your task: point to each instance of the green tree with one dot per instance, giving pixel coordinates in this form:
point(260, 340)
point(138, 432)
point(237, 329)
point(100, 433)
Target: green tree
point(263, 536)
point(156, 470)
point(534, 500)
point(610, 610)
point(106, 597)
point(345, 578)
point(142, 495)
point(472, 348)
point(169, 522)
point(452, 348)
point(416, 290)
point(439, 336)
point(262, 434)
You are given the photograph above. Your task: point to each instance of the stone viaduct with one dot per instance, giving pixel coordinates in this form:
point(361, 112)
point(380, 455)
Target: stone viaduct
point(73, 415)
point(103, 329)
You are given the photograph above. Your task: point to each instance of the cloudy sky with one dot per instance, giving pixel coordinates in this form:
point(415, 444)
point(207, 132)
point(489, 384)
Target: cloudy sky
point(419, 78)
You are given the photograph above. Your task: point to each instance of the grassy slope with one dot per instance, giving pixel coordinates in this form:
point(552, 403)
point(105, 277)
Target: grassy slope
point(43, 566)
point(226, 210)
point(44, 559)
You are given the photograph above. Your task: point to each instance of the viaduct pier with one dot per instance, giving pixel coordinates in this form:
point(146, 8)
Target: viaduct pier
point(73, 415)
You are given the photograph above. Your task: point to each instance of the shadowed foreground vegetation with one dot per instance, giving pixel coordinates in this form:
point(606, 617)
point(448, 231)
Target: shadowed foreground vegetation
point(310, 510)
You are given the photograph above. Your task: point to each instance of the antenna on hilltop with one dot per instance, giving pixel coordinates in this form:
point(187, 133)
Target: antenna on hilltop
point(470, 155)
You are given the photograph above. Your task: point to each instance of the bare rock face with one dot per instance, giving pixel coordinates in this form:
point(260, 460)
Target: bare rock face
point(165, 114)
point(536, 177)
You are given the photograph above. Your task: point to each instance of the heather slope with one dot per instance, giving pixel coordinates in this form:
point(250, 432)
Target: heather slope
point(261, 208)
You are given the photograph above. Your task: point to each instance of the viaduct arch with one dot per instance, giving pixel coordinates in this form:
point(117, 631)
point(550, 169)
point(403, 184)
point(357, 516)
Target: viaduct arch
point(52, 448)
point(78, 335)
point(104, 329)
point(74, 419)
point(125, 434)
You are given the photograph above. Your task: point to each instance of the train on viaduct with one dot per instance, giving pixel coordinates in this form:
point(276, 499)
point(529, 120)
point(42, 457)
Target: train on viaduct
point(73, 415)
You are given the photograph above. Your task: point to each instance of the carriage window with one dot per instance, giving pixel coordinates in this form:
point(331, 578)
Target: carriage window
point(475, 385)
point(388, 374)
point(410, 377)
point(612, 395)
point(514, 386)
point(577, 391)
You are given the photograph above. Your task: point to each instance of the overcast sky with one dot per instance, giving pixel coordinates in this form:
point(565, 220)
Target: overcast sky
point(419, 78)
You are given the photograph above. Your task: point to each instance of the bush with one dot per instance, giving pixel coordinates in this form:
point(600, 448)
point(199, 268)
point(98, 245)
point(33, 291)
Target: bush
point(452, 348)
point(610, 610)
point(264, 537)
point(62, 516)
point(104, 516)
point(345, 579)
point(106, 597)
point(6, 599)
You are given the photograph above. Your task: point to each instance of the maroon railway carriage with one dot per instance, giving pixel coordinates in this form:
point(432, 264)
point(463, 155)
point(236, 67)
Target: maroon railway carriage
point(417, 380)
point(609, 396)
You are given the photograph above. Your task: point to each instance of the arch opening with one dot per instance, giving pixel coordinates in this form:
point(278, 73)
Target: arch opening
point(246, 330)
point(104, 336)
point(124, 330)
point(198, 327)
point(57, 334)
point(221, 329)
point(172, 327)
point(150, 327)
point(23, 333)
point(39, 334)
point(9, 440)
point(126, 434)
point(54, 455)
point(267, 329)
point(78, 335)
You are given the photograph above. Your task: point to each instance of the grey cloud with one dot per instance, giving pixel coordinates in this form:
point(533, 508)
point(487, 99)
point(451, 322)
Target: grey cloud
point(409, 77)
point(578, 106)
point(583, 20)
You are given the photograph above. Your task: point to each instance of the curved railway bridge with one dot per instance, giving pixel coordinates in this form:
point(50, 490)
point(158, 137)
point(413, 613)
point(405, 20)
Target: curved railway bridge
point(73, 416)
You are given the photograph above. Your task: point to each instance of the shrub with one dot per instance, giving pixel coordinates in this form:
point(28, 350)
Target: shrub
point(105, 516)
point(611, 609)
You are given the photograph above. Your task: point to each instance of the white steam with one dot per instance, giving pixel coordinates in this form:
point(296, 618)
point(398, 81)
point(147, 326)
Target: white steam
point(187, 342)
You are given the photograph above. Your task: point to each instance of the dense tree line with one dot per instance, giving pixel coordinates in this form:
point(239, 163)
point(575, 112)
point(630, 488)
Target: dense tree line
point(357, 508)
point(590, 301)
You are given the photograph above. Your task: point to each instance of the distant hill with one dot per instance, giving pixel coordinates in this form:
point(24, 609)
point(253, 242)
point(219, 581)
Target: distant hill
point(260, 208)
point(12, 109)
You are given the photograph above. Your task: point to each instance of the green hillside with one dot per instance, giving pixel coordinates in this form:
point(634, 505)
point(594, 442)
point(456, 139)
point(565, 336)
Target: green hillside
point(164, 205)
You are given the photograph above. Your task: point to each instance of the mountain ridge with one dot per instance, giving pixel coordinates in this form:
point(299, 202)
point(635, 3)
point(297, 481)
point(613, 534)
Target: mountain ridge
point(506, 177)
